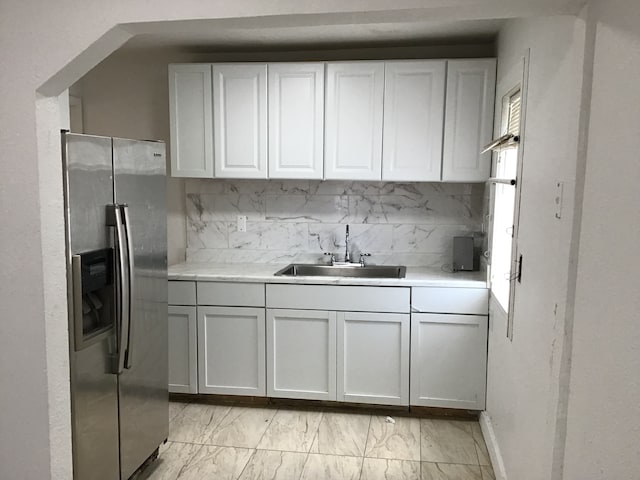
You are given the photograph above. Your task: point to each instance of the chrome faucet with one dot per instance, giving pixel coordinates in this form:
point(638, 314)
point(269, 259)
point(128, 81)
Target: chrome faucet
point(347, 255)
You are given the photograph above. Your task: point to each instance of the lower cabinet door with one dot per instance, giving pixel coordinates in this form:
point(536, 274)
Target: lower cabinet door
point(449, 360)
point(373, 358)
point(231, 350)
point(183, 350)
point(301, 354)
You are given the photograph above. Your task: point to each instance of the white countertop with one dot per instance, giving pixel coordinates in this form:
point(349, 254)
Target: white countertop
point(241, 272)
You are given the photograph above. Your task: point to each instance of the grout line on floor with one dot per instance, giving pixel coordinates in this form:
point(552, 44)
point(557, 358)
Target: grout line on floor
point(255, 451)
point(313, 453)
point(420, 433)
point(364, 451)
point(188, 460)
point(317, 433)
point(306, 459)
point(454, 463)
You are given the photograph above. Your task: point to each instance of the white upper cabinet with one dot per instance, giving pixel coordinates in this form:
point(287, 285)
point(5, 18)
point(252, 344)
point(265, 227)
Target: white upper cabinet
point(468, 122)
point(401, 120)
point(296, 115)
point(191, 120)
point(413, 120)
point(240, 120)
point(353, 124)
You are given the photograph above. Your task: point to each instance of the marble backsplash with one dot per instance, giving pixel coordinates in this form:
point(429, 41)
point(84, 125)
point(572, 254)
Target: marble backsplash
point(299, 220)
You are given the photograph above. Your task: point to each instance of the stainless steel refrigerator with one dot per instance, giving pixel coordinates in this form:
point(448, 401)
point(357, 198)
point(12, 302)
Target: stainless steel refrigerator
point(116, 226)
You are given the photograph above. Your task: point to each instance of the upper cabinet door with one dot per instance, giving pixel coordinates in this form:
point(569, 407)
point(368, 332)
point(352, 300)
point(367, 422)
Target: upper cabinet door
point(296, 115)
point(240, 120)
point(413, 120)
point(353, 126)
point(191, 120)
point(468, 120)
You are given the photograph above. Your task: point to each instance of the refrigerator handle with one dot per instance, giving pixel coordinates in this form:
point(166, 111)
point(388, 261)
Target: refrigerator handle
point(114, 219)
point(76, 272)
point(131, 281)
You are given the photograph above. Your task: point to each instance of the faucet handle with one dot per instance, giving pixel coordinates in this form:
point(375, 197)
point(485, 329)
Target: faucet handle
point(332, 255)
point(362, 255)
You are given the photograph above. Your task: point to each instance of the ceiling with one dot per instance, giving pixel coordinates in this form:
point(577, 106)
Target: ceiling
point(345, 24)
point(198, 36)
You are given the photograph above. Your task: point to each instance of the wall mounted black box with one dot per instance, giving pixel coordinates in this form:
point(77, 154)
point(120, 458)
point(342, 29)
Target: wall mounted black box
point(462, 254)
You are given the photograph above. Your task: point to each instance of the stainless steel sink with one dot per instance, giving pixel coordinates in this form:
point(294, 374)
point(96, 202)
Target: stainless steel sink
point(355, 270)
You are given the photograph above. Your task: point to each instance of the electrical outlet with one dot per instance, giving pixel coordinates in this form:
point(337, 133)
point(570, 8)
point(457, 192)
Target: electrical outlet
point(558, 199)
point(242, 223)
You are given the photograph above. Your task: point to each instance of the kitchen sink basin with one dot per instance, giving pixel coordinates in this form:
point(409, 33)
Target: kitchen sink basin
point(355, 270)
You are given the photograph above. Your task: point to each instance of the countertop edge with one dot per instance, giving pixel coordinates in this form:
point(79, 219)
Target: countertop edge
point(413, 279)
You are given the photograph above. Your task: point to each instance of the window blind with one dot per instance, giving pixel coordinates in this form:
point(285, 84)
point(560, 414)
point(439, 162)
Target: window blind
point(513, 127)
point(512, 134)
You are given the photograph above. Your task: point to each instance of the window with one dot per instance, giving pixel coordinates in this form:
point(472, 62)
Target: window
point(505, 208)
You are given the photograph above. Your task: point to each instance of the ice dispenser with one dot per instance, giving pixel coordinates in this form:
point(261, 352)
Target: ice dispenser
point(93, 295)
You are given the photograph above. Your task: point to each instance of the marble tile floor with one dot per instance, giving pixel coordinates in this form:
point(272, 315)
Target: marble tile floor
point(244, 443)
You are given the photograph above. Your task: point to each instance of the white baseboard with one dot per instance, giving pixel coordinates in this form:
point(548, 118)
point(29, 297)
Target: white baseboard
point(492, 446)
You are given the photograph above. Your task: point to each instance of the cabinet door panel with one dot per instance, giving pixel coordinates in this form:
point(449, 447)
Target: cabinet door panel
point(353, 127)
point(231, 350)
point(296, 115)
point(183, 350)
point(468, 119)
point(301, 354)
point(448, 360)
point(190, 114)
point(413, 120)
point(373, 358)
point(240, 120)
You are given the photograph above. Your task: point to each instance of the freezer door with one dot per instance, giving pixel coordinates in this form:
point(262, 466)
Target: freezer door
point(88, 189)
point(140, 184)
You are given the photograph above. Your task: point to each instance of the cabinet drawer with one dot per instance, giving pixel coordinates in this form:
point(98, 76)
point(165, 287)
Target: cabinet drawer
point(471, 301)
point(231, 294)
point(339, 297)
point(182, 293)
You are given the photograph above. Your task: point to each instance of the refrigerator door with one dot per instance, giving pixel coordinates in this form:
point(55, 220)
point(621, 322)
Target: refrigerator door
point(88, 185)
point(139, 179)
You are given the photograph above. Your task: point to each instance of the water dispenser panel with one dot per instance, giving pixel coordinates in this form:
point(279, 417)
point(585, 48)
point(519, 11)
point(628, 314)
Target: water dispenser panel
point(97, 269)
point(93, 275)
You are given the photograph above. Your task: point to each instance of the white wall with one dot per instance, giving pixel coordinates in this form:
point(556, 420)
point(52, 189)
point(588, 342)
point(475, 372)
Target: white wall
point(603, 428)
point(524, 374)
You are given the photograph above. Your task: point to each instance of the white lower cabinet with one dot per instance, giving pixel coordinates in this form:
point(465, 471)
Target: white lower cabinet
point(183, 355)
point(230, 344)
point(448, 360)
point(373, 358)
point(231, 350)
point(301, 354)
